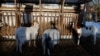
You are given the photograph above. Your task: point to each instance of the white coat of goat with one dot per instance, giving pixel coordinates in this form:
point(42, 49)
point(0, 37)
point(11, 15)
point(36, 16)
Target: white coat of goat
point(24, 34)
point(91, 28)
point(85, 31)
point(50, 38)
point(96, 31)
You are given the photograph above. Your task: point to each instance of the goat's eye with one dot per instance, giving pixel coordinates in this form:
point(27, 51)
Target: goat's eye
point(86, 28)
point(89, 28)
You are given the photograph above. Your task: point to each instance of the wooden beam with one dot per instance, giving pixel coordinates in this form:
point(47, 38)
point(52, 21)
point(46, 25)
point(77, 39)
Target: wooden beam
point(17, 14)
point(61, 15)
point(38, 10)
point(0, 17)
point(62, 8)
point(46, 1)
point(40, 7)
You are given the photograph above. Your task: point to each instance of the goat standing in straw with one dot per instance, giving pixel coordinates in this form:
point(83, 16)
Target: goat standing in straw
point(50, 38)
point(26, 34)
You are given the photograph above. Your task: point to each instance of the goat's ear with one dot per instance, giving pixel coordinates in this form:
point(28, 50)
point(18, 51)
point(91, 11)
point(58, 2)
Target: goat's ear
point(32, 23)
point(35, 21)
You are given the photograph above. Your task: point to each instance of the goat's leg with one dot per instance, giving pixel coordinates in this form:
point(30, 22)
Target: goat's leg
point(78, 42)
point(94, 39)
point(94, 36)
point(34, 42)
point(44, 50)
point(29, 43)
point(17, 45)
point(20, 47)
point(48, 52)
point(35, 39)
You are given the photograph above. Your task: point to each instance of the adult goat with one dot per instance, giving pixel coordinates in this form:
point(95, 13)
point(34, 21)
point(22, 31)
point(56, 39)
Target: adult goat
point(81, 30)
point(95, 30)
point(90, 29)
point(26, 34)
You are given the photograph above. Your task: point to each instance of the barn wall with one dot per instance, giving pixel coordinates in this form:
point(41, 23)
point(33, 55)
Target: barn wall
point(16, 16)
point(9, 21)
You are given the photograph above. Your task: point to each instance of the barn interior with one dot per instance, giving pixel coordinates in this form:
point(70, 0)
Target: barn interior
point(17, 13)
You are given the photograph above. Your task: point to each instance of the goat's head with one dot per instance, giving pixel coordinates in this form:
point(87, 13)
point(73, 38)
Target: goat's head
point(80, 25)
point(53, 24)
point(70, 25)
point(35, 24)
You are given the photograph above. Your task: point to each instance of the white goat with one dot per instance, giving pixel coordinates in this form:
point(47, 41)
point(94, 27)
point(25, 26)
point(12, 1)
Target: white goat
point(85, 31)
point(91, 28)
point(50, 38)
point(96, 31)
point(24, 34)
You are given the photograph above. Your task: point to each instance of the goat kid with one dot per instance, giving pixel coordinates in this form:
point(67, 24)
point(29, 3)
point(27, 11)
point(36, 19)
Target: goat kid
point(50, 38)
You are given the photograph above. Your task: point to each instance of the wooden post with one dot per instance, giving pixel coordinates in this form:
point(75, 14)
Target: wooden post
point(0, 20)
point(40, 7)
point(17, 14)
point(61, 14)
